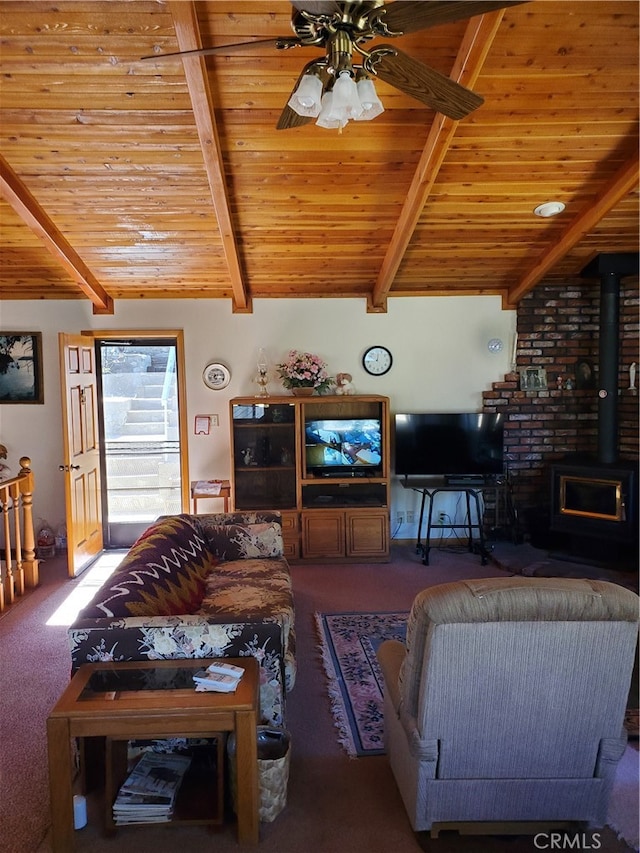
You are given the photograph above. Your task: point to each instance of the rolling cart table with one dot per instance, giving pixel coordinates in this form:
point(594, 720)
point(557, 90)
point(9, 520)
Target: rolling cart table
point(430, 487)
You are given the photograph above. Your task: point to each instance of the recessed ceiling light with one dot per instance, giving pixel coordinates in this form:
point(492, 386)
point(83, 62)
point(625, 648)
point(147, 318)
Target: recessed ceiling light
point(549, 208)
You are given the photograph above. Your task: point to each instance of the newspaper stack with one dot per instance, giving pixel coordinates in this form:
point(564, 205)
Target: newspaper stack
point(149, 793)
point(218, 677)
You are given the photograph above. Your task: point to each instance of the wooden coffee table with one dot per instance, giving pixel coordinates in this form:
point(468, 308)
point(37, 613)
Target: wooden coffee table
point(151, 699)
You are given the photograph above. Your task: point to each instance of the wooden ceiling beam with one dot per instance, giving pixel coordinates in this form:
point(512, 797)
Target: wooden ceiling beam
point(623, 182)
point(14, 191)
point(185, 20)
point(474, 48)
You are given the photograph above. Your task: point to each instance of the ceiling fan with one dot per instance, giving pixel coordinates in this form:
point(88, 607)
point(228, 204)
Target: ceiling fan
point(334, 88)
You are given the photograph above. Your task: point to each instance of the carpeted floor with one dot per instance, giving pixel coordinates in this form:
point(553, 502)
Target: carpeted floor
point(334, 803)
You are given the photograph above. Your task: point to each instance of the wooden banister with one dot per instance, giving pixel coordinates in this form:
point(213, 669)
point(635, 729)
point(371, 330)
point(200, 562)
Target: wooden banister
point(20, 570)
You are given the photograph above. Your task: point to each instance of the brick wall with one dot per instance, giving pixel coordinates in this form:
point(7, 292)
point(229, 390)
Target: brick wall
point(557, 327)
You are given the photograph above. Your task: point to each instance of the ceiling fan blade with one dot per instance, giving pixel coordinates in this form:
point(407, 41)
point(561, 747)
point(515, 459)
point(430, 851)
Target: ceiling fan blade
point(316, 7)
point(279, 43)
point(290, 118)
point(408, 17)
point(426, 84)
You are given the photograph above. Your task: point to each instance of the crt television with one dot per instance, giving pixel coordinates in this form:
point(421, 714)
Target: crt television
point(454, 444)
point(343, 446)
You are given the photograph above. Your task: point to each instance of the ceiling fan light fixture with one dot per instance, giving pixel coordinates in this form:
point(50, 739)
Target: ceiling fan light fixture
point(549, 208)
point(306, 100)
point(371, 103)
point(328, 118)
point(346, 103)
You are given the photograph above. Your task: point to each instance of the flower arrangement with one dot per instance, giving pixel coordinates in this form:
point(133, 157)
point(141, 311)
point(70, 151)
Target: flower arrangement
point(304, 370)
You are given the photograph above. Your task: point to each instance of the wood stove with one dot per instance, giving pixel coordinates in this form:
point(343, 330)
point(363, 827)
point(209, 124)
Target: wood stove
point(596, 499)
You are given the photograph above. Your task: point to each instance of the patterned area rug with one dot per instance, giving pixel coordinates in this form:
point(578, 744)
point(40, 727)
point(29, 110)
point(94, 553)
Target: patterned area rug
point(349, 643)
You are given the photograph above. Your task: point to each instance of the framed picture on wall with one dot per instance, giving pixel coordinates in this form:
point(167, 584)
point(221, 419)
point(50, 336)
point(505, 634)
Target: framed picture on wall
point(585, 374)
point(533, 379)
point(21, 367)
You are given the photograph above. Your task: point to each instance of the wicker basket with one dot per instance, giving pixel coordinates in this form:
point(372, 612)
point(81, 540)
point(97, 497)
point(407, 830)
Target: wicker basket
point(273, 772)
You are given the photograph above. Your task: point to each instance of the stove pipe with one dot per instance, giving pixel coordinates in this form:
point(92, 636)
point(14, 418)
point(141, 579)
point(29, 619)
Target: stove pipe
point(610, 268)
point(608, 368)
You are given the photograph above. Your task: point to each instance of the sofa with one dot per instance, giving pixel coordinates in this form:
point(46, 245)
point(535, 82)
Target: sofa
point(199, 586)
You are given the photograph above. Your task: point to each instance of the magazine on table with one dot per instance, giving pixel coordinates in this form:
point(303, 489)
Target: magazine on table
point(149, 792)
point(207, 487)
point(219, 677)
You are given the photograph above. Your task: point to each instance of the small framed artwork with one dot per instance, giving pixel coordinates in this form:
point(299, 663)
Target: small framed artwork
point(21, 367)
point(585, 374)
point(533, 379)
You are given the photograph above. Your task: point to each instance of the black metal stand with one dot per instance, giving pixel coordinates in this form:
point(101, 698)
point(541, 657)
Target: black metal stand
point(430, 488)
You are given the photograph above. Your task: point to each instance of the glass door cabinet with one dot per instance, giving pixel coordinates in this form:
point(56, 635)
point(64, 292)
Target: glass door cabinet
point(264, 449)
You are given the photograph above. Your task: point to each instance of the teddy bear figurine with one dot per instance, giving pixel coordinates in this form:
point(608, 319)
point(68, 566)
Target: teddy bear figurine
point(344, 384)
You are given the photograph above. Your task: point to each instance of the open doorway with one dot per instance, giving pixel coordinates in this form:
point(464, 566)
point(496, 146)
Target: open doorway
point(143, 445)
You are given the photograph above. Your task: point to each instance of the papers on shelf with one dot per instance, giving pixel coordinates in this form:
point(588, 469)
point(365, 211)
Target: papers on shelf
point(207, 487)
point(219, 677)
point(149, 793)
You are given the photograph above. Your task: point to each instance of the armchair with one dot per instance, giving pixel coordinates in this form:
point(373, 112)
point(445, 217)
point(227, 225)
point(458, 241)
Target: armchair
point(506, 705)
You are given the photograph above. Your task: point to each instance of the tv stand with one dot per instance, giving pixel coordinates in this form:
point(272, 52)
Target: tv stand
point(332, 515)
point(430, 488)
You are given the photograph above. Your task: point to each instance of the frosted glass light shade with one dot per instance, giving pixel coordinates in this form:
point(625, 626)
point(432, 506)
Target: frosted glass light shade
point(306, 100)
point(346, 103)
point(328, 118)
point(369, 100)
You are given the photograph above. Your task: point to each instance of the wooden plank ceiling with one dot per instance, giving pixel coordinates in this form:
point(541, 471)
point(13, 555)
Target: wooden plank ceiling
point(124, 179)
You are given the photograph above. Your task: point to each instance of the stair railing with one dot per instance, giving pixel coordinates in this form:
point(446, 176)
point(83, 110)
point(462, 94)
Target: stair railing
point(20, 566)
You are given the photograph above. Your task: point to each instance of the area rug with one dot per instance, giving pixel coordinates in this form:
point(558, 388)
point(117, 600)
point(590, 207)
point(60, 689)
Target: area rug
point(349, 642)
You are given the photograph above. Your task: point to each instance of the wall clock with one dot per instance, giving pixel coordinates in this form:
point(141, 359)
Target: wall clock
point(495, 345)
point(377, 360)
point(216, 376)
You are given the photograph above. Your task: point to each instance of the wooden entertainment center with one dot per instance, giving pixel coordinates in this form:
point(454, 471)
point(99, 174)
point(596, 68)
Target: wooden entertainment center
point(329, 512)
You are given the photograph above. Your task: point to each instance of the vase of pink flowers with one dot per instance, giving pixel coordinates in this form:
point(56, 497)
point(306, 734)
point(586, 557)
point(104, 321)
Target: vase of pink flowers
point(303, 373)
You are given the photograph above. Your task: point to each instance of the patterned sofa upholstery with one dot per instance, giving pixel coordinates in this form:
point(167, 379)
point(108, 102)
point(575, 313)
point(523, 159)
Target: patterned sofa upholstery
point(199, 586)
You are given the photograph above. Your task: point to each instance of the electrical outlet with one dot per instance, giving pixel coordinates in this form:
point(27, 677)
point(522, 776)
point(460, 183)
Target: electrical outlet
point(442, 517)
point(411, 517)
point(399, 518)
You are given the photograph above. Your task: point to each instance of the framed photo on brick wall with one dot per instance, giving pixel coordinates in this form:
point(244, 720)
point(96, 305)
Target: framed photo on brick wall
point(21, 367)
point(533, 379)
point(585, 374)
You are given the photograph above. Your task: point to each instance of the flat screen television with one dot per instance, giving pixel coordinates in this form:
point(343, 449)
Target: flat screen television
point(342, 447)
point(449, 445)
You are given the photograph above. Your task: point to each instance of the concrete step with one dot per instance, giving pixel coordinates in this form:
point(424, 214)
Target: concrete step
point(143, 429)
point(141, 416)
point(161, 502)
point(132, 482)
point(135, 466)
point(146, 404)
point(150, 391)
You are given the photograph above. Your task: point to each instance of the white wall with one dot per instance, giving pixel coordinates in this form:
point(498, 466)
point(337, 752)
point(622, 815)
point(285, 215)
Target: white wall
point(440, 363)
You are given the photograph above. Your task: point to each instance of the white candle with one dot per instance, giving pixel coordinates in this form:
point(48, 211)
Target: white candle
point(515, 349)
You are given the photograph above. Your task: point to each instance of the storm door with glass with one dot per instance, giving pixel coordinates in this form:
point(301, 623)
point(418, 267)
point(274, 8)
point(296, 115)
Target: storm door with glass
point(142, 475)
